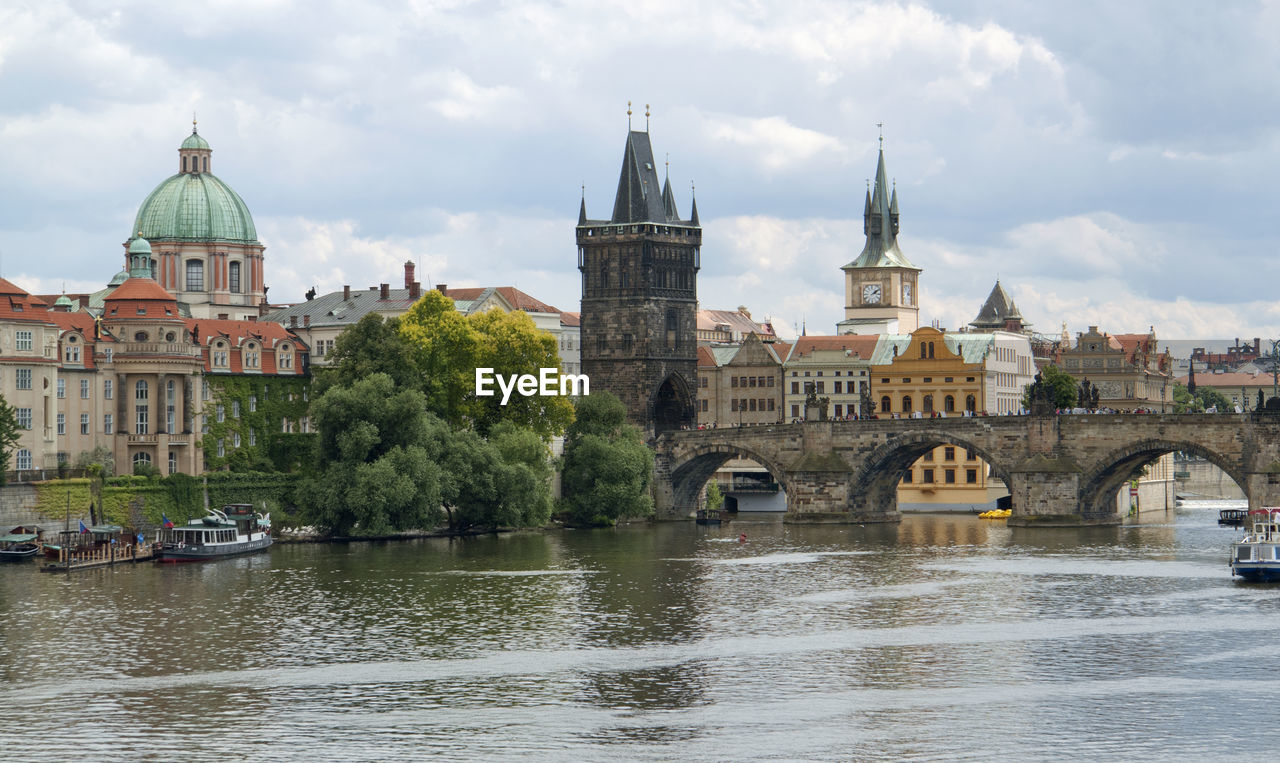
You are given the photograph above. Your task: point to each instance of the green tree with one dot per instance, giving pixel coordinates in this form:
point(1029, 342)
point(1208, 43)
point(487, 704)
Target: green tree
point(607, 466)
point(524, 475)
point(511, 345)
point(1063, 388)
point(1203, 399)
point(10, 434)
point(448, 347)
point(715, 498)
point(375, 473)
point(372, 345)
point(444, 347)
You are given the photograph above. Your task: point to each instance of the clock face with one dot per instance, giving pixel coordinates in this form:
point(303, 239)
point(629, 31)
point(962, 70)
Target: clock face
point(906, 294)
point(871, 293)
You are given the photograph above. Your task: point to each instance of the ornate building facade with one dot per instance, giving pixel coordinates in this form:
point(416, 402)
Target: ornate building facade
point(640, 296)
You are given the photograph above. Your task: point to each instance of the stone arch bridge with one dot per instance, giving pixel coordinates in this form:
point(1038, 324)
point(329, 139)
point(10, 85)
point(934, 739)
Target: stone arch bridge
point(1060, 470)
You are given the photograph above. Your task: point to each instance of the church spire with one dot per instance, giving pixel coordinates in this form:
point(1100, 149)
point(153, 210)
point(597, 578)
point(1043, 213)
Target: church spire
point(880, 224)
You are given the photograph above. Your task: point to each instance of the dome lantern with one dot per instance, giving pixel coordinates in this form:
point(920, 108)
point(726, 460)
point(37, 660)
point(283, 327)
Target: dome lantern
point(139, 257)
point(194, 153)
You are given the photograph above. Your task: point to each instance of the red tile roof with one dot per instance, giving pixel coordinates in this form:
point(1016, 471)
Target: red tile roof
point(863, 345)
point(514, 297)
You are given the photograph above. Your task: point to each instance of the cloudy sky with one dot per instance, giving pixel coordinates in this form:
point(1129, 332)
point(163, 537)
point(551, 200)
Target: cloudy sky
point(1112, 163)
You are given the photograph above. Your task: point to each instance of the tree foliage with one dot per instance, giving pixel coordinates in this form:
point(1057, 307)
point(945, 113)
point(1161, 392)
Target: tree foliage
point(10, 434)
point(1063, 388)
point(607, 466)
point(1204, 398)
point(448, 347)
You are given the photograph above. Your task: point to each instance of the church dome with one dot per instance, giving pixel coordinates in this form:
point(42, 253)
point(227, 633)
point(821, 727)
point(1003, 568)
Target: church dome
point(195, 205)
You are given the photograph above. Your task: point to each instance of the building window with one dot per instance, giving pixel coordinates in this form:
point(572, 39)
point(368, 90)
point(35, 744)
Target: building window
point(84, 389)
point(62, 423)
point(24, 458)
point(907, 477)
point(141, 423)
point(170, 406)
point(949, 476)
point(970, 455)
point(795, 411)
point(222, 448)
point(627, 343)
point(235, 439)
point(885, 404)
point(173, 462)
point(926, 476)
point(251, 356)
point(795, 387)
point(235, 409)
point(949, 403)
point(195, 275)
point(928, 456)
point(971, 476)
point(71, 353)
point(204, 424)
point(108, 389)
point(23, 340)
point(253, 436)
point(23, 378)
point(284, 360)
point(141, 458)
point(928, 404)
point(107, 424)
point(62, 388)
point(906, 403)
point(222, 414)
point(84, 423)
point(253, 403)
point(837, 388)
point(970, 404)
point(949, 453)
point(234, 277)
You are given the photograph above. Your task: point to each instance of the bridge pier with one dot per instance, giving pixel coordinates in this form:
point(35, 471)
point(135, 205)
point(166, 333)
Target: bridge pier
point(1045, 492)
point(1263, 489)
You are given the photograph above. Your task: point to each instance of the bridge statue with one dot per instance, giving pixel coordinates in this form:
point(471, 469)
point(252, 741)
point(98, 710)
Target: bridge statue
point(1059, 469)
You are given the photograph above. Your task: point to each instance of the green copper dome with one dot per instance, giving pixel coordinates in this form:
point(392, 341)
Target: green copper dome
point(195, 207)
point(139, 245)
point(195, 141)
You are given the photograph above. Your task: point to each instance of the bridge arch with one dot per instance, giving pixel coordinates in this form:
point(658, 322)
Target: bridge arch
point(691, 473)
point(1099, 484)
point(883, 468)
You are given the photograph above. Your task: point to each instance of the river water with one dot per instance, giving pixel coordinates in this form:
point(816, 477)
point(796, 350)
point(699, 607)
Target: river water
point(945, 637)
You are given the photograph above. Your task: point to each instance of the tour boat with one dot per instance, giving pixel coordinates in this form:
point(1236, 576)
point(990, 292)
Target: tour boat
point(1233, 517)
point(1256, 556)
point(235, 529)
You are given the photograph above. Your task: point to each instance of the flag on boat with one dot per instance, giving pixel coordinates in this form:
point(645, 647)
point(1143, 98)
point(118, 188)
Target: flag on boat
point(165, 521)
point(83, 529)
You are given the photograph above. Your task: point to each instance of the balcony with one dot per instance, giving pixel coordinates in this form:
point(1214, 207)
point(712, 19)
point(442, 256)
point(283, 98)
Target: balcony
point(125, 350)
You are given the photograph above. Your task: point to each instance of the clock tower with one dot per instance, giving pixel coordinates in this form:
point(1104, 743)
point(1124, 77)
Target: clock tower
point(880, 286)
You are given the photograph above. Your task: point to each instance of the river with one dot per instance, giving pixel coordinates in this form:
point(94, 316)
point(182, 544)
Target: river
point(945, 637)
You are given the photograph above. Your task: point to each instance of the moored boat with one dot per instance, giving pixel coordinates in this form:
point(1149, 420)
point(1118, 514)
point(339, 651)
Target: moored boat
point(1256, 556)
point(20, 543)
point(708, 517)
point(233, 530)
point(1233, 517)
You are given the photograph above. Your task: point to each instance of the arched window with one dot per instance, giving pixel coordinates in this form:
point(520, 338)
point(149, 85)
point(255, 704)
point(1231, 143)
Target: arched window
point(140, 390)
point(885, 404)
point(928, 404)
point(234, 270)
point(205, 161)
point(141, 458)
point(906, 403)
point(931, 349)
point(970, 404)
point(184, 164)
point(195, 275)
point(949, 404)
point(922, 350)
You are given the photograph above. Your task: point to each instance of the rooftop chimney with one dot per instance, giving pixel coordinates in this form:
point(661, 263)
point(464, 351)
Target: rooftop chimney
point(443, 288)
point(306, 321)
point(408, 274)
point(415, 290)
point(384, 291)
point(346, 292)
point(293, 321)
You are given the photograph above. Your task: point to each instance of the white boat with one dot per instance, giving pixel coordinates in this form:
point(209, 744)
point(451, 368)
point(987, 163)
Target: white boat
point(1256, 556)
point(236, 529)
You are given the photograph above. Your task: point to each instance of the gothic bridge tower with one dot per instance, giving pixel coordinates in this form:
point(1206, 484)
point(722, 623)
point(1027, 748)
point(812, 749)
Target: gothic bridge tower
point(640, 296)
